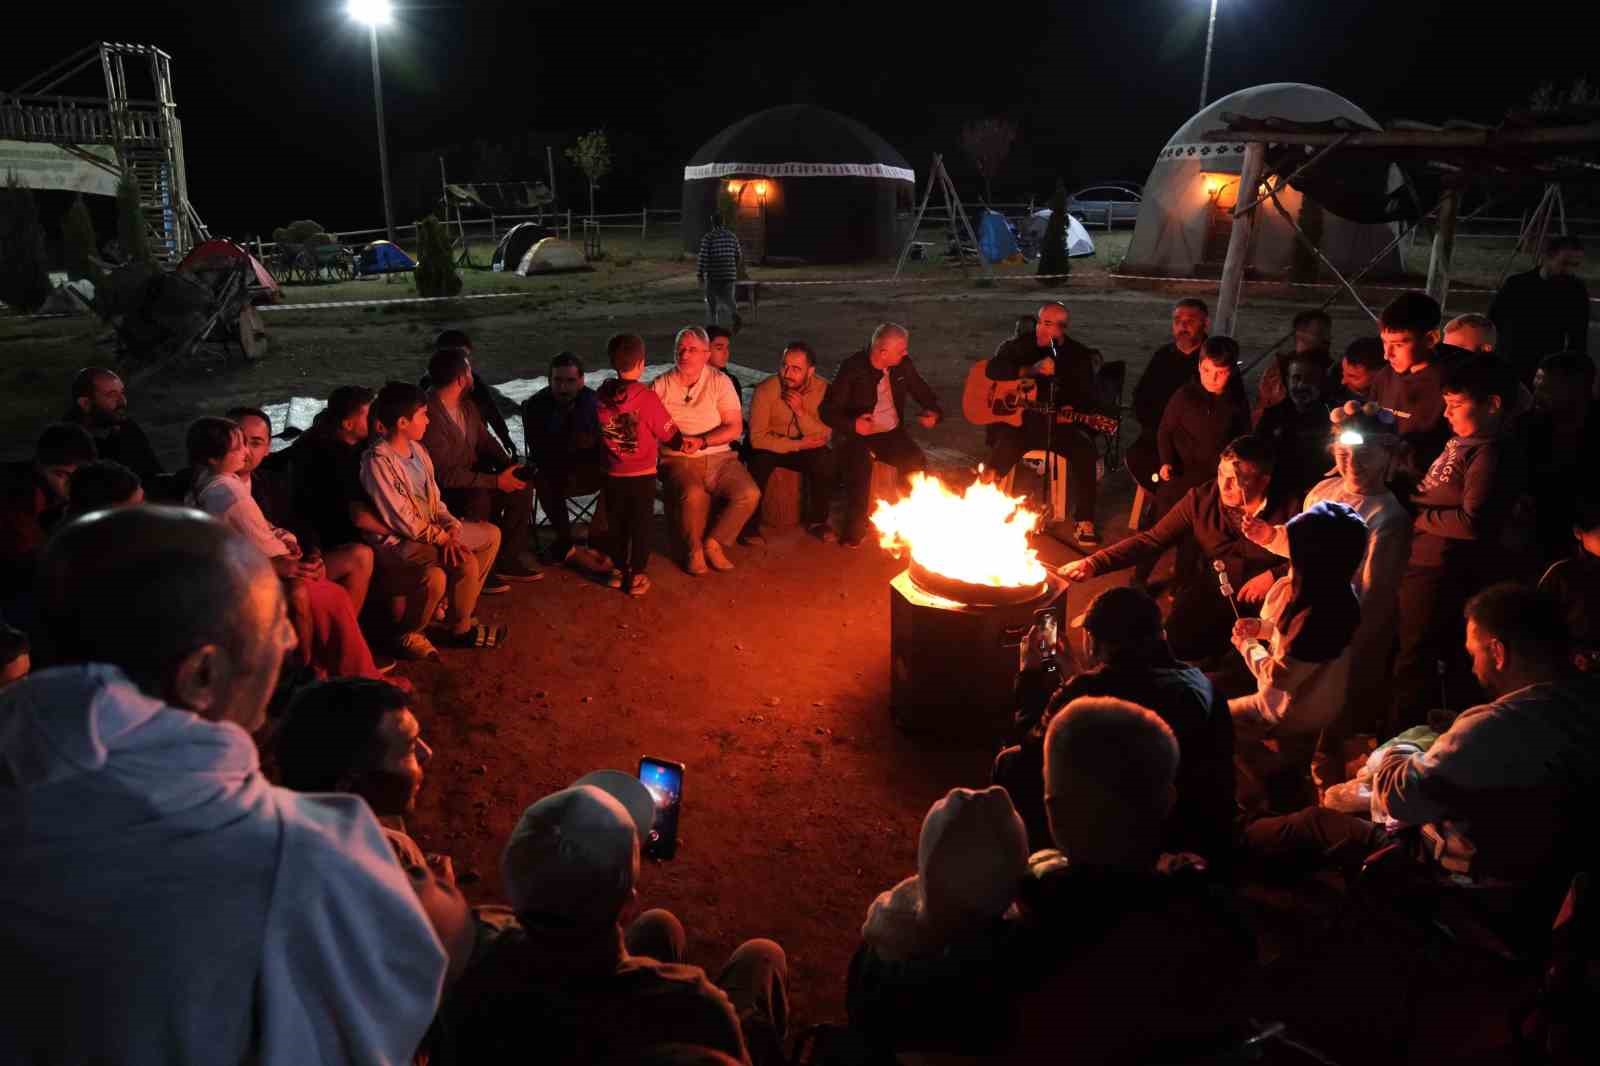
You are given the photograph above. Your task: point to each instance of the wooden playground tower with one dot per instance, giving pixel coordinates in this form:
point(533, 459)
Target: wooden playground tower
point(144, 132)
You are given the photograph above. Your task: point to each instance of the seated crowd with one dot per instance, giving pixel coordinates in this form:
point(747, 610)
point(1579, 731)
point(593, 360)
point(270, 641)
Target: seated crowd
point(1351, 655)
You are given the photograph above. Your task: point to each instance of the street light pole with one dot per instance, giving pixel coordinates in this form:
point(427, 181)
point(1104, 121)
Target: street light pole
point(1205, 74)
point(383, 140)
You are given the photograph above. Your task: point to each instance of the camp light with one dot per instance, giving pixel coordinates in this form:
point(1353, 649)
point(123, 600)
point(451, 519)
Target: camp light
point(371, 12)
point(1351, 439)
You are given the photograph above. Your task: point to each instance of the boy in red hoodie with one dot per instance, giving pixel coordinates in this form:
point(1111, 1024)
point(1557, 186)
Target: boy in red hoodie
point(633, 425)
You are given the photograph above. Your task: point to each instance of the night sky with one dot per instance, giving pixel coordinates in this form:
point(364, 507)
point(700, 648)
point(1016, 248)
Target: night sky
point(276, 98)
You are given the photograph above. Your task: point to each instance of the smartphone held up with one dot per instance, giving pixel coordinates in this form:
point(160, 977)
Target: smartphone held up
point(664, 780)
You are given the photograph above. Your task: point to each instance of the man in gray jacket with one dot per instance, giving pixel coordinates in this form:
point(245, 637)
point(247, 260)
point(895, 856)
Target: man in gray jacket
point(479, 481)
point(163, 903)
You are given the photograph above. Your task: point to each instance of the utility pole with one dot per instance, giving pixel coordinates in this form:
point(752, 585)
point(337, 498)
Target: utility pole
point(1205, 73)
point(383, 141)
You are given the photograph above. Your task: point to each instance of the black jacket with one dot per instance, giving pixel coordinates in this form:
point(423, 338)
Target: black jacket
point(1536, 316)
point(1074, 377)
point(125, 443)
point(324, 480)
point(551, 431)
point(854, 392)
point(1169, 370)
point(1300, 439)
point(1196, 427)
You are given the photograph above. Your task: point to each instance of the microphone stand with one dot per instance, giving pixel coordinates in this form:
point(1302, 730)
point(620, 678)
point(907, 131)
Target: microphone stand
point(1049, 444)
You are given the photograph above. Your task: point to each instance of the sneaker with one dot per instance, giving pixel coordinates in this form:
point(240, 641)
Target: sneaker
point(697, 563)
point(824, 532)
point(716, 557)
point(384, 663)
point(752, 540)
point(1085, 533)
point(494, 584)
point(638, 585)
point(518, 571)
point(414, 647)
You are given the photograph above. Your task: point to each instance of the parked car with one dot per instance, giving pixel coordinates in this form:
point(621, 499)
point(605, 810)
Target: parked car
point(1117, 202)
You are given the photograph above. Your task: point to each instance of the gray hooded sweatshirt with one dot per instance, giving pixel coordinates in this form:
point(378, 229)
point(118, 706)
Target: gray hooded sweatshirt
point(160, 902)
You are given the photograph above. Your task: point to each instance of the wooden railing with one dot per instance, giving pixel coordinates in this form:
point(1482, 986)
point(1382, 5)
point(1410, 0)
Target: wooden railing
point(72, 120)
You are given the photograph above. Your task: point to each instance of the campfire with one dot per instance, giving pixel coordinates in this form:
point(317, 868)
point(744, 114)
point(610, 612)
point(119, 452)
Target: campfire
point(969, 546)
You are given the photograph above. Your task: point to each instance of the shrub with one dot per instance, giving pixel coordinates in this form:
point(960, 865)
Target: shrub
point(132, 232)
point(436, 269)
point(78, 242)
point(24, 282)
point(1053, 250)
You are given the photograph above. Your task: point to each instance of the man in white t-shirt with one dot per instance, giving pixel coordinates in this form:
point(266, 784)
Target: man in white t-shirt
point(705, 407)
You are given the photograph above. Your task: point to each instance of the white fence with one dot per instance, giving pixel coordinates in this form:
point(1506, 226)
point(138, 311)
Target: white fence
point(644, 222)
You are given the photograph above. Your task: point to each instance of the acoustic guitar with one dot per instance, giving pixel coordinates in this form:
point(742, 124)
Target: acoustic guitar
point(984, 402)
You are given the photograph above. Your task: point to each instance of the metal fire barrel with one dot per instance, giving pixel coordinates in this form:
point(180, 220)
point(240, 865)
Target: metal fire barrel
point(952, 664)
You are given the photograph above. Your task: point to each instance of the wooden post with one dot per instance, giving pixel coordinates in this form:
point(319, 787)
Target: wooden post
point(644, 222)
point(1444, 243)
point(1239, 241)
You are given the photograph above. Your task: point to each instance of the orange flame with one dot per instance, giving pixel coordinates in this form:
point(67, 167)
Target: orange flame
point(979, 536)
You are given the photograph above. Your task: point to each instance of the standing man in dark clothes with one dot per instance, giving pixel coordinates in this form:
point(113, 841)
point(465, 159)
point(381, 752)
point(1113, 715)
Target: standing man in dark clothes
point(1562, 434)
point(100, 405)
point(1055, 361)
point(1124, 638)
point(1412, 384)
point(1297, 426)
point(1171, 367)
point(1200, 420)
point(717, 266)
point(1544, 310)
point(561, 428)
point(1461, 510)
point(476, 476)
point(1207, 525)
point(865, 407)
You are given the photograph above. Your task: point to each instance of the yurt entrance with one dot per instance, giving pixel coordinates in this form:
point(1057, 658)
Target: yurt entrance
point(1222, 196)
point(750, 214)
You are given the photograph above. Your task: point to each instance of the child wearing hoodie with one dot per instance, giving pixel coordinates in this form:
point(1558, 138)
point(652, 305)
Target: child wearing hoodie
point(633, 425)
point(1299, 654)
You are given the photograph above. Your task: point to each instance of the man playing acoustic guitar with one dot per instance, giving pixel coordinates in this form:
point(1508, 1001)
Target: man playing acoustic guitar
point(1045, 354)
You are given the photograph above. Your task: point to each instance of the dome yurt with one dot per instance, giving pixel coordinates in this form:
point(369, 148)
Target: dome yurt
point(799, 182)
point(1187, 213)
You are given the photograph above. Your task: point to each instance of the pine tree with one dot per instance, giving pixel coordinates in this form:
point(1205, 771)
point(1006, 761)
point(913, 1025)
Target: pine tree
point(132, 233)
point(1053, 250)
point(78, 242)
point(436, 269)
point(24, 281)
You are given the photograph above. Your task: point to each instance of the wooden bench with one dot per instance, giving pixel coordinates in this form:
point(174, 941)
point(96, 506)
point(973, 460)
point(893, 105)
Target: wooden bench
point(750, 292)
point(781, 503)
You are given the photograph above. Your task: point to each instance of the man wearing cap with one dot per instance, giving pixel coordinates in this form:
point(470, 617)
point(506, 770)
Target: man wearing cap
point(1123, 636)
point(556, 971)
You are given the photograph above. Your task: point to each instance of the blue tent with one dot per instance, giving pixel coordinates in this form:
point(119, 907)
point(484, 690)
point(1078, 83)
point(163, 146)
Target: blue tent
point(381, 257)
point(997, 241)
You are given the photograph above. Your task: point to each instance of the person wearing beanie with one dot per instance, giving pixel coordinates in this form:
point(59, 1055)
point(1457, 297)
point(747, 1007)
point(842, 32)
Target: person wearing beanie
point(973, 849)
point(1298, 653)
point(1126, 645)
point(936, 950)
point(557, 970)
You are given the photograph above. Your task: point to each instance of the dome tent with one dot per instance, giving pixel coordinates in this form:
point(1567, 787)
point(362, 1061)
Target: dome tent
point(552, 255)
point(805, 182)
point(1186, 214)
point(381, 257)
point(515, 244)
point(1077, 239)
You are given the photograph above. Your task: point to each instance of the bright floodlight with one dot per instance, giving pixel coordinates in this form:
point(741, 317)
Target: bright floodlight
point(371, 12)
point(1351, 439)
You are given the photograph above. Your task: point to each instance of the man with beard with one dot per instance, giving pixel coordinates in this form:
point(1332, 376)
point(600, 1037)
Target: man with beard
point(561, 428)
point(1171, 367)
point(100, 405)
point(786, 430)
point(1297, 426)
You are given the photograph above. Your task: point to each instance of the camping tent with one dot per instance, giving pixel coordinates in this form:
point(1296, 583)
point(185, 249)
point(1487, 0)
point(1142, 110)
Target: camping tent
point(1186, 215)
point(218, 255)
point(1079, 242)
point(800, 182)
point(552, 255)
point(996, 241)
point(381, 257)
point(515, 244)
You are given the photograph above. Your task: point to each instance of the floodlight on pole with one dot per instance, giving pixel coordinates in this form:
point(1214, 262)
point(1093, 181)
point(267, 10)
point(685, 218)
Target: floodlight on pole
point(375, 13)
point(1205, 73)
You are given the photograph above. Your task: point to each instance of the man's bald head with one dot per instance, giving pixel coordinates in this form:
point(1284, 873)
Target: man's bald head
point(148, 589)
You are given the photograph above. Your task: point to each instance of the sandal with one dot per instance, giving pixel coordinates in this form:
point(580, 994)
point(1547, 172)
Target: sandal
point(639, 585)
point(478, 635)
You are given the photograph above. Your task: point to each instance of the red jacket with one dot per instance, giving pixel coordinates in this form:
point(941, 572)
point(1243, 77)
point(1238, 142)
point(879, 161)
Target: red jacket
point(633, 425)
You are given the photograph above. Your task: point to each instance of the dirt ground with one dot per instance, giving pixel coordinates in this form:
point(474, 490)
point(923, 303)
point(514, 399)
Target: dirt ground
point(801, 800)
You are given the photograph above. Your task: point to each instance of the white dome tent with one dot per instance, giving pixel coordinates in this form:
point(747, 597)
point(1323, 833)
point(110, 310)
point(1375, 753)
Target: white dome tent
point(1186, 214)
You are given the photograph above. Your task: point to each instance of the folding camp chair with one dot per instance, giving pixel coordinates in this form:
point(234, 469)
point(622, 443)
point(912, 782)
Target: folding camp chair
point(579, 509)
point(1109, 380)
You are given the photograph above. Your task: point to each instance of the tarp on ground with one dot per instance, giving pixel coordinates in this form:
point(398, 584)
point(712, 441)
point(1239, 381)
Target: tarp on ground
point(1079, 242)
point(382, 257)
point(70, 298)
point(552, 255)
point(997, 241)
point(217, 255)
